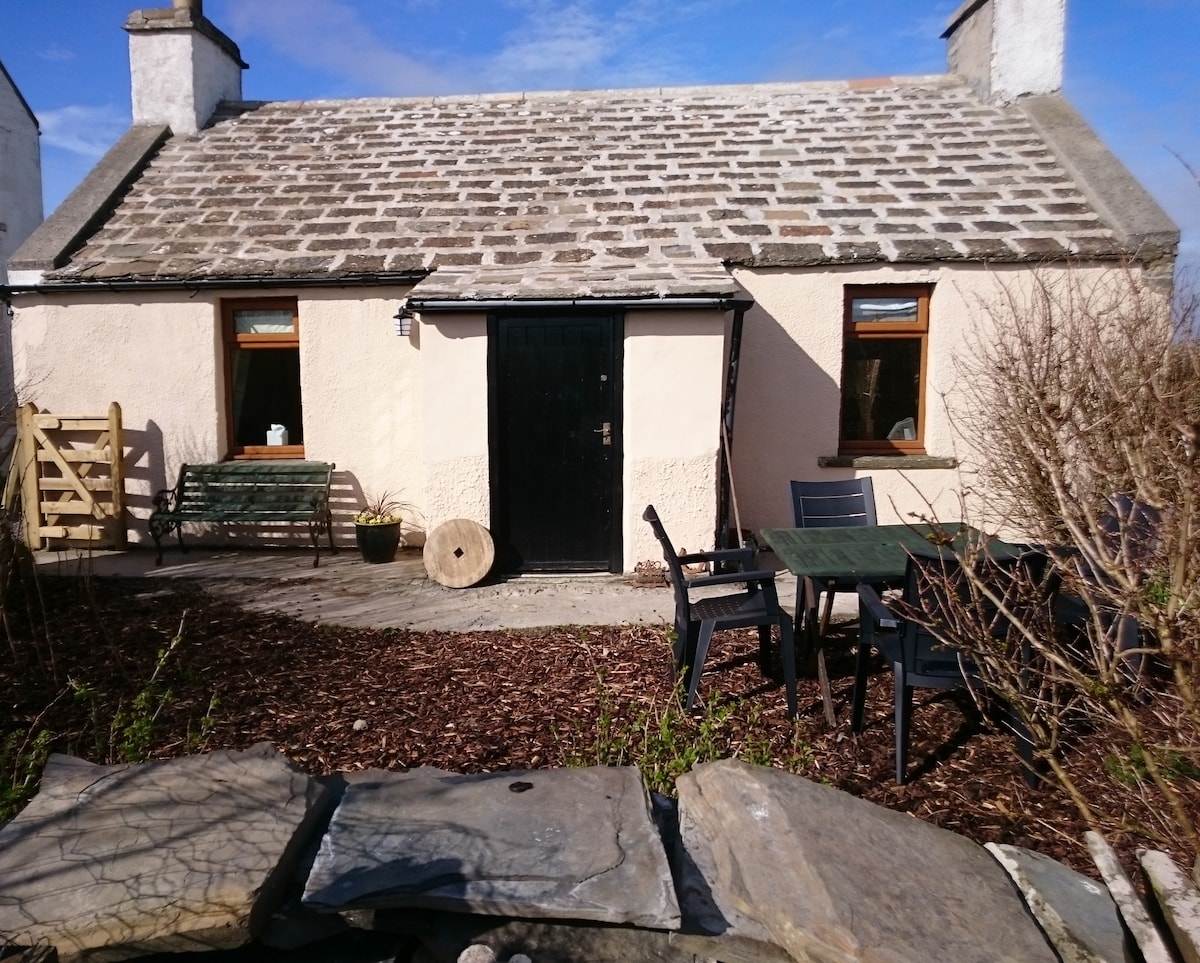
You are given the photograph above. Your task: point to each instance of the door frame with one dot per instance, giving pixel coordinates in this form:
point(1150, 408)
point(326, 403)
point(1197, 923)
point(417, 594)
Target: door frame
point(497, 477)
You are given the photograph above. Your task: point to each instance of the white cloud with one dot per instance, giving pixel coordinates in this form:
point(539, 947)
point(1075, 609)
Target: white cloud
point(56, 54)
point(596, 44)
point(86, 131)
point(330, 35)
point(554, 48)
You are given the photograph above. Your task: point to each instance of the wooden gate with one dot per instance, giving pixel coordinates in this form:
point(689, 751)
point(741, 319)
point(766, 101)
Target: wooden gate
point(69, 471)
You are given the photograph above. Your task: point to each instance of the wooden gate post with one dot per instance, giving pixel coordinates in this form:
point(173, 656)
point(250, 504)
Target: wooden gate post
point(27, 471)
point(116, 470)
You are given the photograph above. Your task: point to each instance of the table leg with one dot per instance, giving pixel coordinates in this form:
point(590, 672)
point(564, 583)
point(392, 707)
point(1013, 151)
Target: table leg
point(808, 623)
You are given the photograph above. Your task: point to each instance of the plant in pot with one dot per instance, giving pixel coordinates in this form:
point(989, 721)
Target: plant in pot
point(377, 528)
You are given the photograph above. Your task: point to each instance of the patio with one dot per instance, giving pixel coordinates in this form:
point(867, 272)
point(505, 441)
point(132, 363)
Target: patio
point(344, 590)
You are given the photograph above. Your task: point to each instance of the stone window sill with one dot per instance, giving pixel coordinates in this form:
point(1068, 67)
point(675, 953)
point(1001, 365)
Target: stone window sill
point(883, 462)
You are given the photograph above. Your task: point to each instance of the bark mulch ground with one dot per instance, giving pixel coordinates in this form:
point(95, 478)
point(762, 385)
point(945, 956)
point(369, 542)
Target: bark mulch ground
point(337, 699)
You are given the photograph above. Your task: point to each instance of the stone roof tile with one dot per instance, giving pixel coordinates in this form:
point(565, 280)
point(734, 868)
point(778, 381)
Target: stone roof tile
point(569, 192)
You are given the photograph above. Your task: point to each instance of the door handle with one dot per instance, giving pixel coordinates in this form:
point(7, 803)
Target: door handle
point(605, 430)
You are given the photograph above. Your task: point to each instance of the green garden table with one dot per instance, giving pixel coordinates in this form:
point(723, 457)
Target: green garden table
point(868, 553)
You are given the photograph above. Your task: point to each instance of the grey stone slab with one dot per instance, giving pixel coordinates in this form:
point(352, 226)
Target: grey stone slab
point(834, 878)
point(706, 928)
point(1076, 913)
point(185, 854)
point(1133, 911)
point(1178, 900)
point(559, 843)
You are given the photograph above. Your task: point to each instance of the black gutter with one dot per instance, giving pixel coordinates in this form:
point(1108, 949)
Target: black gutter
point(198, 284)
point(436, 305)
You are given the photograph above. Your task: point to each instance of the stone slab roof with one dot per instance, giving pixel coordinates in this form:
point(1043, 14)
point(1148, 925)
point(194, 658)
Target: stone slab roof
point(598, 193)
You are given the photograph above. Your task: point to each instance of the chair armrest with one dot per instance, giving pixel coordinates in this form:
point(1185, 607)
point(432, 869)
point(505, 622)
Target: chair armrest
point(743, 556)
point(872, 605)
point(729, 578)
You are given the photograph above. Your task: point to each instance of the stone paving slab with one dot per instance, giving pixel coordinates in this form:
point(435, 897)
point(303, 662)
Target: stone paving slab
point(558, 844)
point(177, 855)
point(1076, 913)
point(344, 590)
point(835, 878)
point(1178, 900)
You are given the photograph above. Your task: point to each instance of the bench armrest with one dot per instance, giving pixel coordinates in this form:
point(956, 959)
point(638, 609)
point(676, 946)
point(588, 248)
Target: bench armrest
point(164, 499)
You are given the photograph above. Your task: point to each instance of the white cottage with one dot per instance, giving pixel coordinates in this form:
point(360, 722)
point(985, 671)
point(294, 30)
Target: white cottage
point(543, 311)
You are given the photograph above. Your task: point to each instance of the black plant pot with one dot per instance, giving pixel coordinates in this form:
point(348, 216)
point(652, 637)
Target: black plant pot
point(378, 543)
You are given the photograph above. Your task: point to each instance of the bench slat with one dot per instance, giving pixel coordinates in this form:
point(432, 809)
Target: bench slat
point(257, 492)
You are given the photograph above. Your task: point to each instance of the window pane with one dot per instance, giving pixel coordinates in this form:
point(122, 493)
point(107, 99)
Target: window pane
point(266, 392)
point(274, 321)
point(881, 389)
point(901, 309)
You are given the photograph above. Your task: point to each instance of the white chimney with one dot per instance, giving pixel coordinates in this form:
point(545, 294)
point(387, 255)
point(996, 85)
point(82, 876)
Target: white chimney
point(180, 66)
point(1006, 49)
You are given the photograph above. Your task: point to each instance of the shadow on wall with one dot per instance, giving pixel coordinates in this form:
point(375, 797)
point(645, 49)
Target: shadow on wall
point(347, 496)
point(786, 416)
point(146, 475)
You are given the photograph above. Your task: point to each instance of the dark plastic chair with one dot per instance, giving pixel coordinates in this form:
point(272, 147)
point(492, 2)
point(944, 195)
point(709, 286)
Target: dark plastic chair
point(824, 504)
point(919, 659)
point(696, 619)
point(1130, 535)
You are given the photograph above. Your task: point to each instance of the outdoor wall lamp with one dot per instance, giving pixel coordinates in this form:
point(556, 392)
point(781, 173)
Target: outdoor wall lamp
point(404, 320)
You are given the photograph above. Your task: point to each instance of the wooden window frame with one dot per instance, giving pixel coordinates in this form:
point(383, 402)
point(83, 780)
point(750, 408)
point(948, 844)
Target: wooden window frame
point(255, 342)
point(881, 331)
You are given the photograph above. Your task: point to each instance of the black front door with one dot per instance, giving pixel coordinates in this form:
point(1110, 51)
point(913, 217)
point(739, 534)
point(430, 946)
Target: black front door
point(555, 442)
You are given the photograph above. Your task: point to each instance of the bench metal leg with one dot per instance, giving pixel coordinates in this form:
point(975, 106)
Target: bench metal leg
point(160, 528)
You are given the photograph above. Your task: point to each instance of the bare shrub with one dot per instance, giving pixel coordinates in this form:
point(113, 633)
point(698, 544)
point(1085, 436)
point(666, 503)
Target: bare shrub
point(1085, 405)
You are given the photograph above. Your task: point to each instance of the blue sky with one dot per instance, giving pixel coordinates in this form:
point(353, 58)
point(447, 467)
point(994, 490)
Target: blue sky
point(1132, 66)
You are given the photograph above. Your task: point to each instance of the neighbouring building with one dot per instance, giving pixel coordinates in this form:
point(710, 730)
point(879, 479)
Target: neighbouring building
point(543, 311)
point(20, 170)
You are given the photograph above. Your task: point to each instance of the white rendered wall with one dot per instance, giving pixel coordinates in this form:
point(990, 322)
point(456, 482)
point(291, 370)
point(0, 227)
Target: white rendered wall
point(454, 418)
point(674, 380)
point(789, 396)
point(162, 359)
point(1009, 48)
point(20, 173)
point(410, 414)
point(1027, 48)
point(178, 77)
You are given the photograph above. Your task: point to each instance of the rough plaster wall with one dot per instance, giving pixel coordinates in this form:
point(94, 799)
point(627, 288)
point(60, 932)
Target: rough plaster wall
point(178, 77)
point(454, 418)
point(1028, 47)
point(789, 393)
point(361, 387)
point(789, 387)
point(969, 51)
point(1009, 48)
point(674, 378)
point(157, 359)
point(20, 174)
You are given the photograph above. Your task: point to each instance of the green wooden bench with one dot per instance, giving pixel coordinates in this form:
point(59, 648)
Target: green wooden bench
point(246, 492)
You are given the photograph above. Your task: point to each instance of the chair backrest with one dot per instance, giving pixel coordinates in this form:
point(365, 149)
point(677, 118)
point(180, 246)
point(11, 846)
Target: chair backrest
point(1130, 531)
point(674, 568)
point(934, 584)
point(823, 504)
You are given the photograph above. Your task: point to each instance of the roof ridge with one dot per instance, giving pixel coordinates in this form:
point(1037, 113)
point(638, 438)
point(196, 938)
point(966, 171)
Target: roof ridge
point(774, 87)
